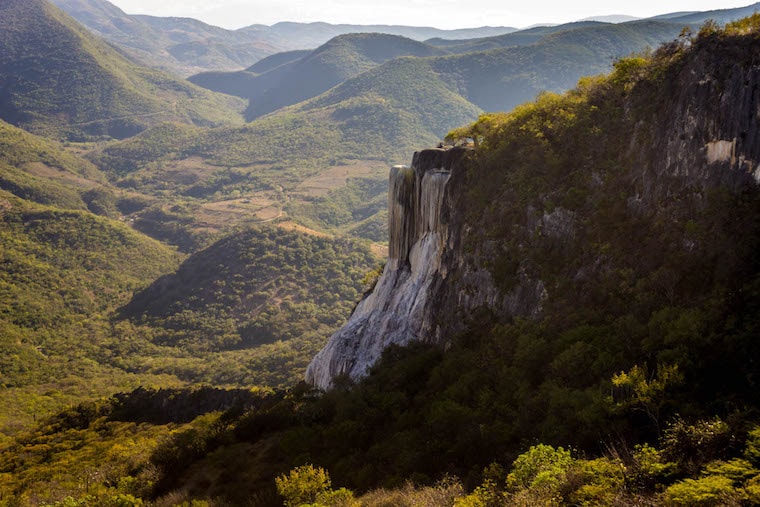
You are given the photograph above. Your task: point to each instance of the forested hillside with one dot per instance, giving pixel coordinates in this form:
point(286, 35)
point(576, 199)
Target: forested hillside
point(340, 58)
point(636, 377)
point(60, 81)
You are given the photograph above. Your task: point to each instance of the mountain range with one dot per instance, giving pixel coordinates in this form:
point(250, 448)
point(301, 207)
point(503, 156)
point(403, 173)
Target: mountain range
point(188, 46)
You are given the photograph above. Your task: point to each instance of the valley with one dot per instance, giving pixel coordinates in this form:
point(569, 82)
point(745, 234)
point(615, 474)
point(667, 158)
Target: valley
point(189, 213)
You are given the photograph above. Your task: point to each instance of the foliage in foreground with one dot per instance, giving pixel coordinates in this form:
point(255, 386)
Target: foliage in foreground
point(545, 475)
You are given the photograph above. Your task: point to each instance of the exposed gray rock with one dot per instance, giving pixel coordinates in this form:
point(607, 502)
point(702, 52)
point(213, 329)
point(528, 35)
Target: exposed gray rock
point(396, 312)
point(427, 279)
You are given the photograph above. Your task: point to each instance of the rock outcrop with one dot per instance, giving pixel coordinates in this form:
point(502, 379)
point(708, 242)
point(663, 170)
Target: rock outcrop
point(469, 236)
point(397, 310)
point(424, 252)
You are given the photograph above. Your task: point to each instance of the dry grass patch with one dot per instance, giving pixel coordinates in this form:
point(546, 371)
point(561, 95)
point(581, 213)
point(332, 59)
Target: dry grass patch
point(337, 176)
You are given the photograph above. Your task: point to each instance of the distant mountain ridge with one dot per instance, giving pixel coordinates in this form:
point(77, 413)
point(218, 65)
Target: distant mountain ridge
point(181, 45)
point(721, 16)
point(611, 18)
point(341, 58)
point(187, 46)
point(315, 34)
point(494, 73)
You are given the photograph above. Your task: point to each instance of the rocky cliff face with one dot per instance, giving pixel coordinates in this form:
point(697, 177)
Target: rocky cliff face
point(405, 303)
point(704, 128)
point(691, 125)
point(397, 311)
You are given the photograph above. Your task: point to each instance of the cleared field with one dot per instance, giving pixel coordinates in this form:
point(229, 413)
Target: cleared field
point(53, 173)
point(336, 176)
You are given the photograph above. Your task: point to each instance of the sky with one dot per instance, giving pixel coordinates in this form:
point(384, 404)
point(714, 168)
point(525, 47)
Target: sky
point(445, 14)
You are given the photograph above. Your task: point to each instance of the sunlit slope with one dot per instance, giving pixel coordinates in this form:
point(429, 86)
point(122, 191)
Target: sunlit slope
point(58, 79)
point(293, 81)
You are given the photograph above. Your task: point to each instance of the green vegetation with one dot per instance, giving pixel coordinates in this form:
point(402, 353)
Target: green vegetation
point(334, 62)
point(18, 149)
point(545, 475)
point(59, 80)
point(360, 201)
point(269, 87)
point(250, 310)
point(304, 485)
point(66, 271)
point(112, 450)
point(63, 270)
point(256, 287)
point(636, 383)
point(500, 79)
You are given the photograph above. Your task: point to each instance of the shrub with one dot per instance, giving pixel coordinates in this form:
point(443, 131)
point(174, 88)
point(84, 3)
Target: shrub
point(541, 466)
point(750, 24)
point(339, 498)
point(752, 450)
point(705, 491)
point(303, 485)
point(602, 480)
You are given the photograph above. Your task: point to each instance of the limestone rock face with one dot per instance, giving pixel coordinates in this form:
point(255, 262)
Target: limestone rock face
point(706, 132)
point(428, 283)
point(397, 310)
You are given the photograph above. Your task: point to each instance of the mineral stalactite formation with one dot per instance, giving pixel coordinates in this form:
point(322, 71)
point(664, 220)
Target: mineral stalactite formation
point(396, 311)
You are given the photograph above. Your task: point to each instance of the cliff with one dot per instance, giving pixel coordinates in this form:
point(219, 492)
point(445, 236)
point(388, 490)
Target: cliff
point(398, 310)
point(578, 208)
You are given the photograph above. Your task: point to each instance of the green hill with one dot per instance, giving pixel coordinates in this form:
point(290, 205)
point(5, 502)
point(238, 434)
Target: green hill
point(179, 45)
point(500, 79)
point(255, 287)
point(63, 271)
point(340, 58)
point(371, 120)
point(58, 79)
point(380, 114)
point(37, 170)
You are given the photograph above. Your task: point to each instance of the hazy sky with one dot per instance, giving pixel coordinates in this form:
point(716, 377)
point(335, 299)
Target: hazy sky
point(438, 13)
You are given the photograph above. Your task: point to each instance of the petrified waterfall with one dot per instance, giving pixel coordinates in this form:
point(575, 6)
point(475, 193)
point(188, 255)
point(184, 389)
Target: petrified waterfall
point(396, 312)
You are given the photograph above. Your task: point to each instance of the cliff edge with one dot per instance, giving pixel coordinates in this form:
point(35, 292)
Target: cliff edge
point(611, 196)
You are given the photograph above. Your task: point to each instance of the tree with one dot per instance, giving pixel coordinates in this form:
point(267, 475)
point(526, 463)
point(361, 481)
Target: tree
point(647, 394)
